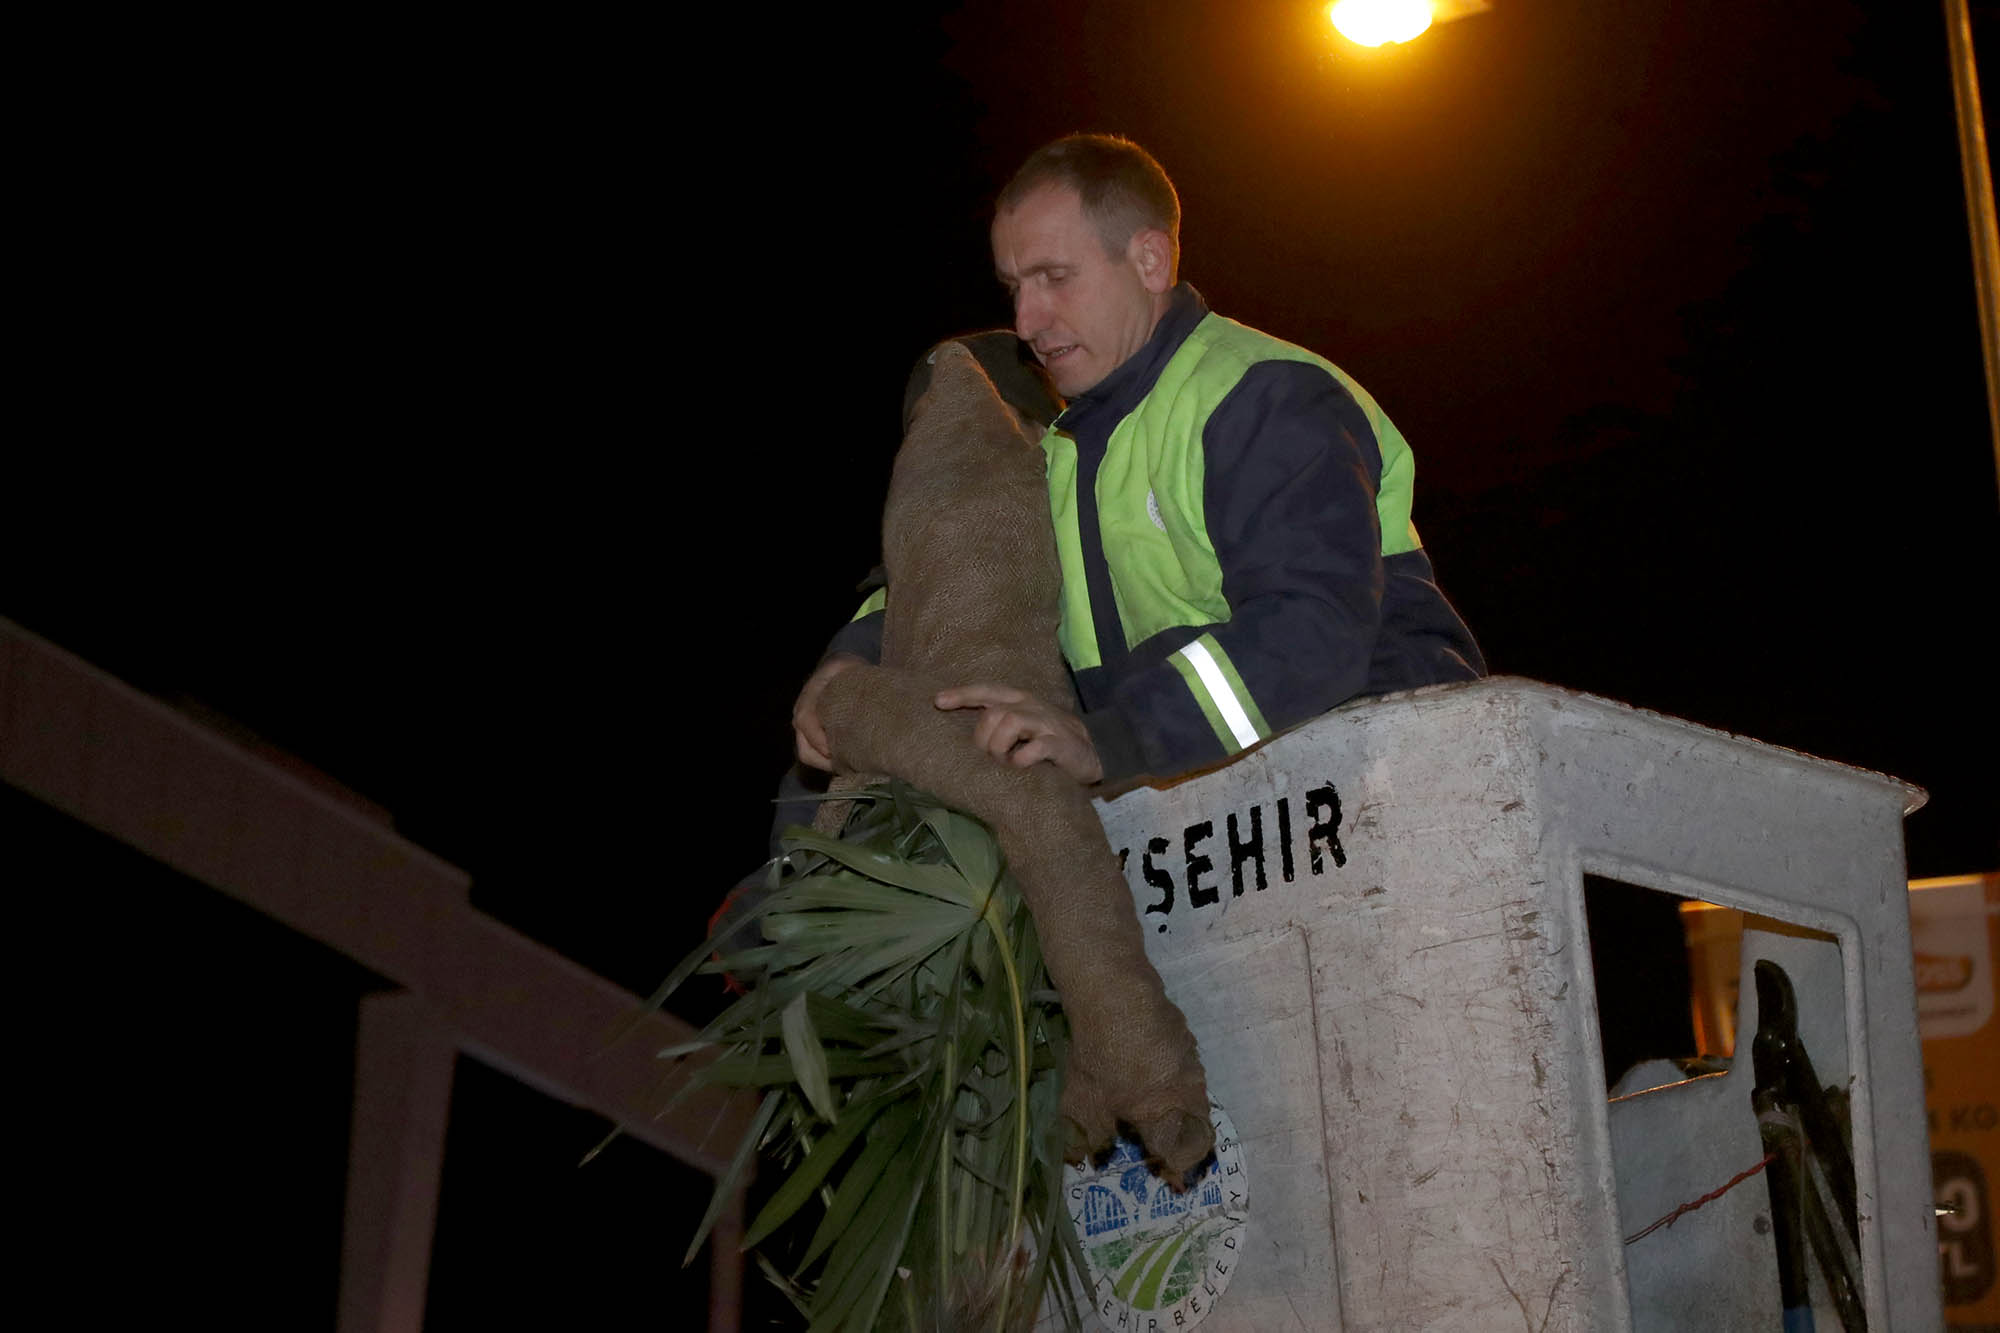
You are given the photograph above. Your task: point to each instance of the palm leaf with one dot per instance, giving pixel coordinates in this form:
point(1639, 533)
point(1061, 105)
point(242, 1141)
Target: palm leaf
point(726, 1184)
point(970, 845)
point(901, 1022)
point(799, 1186)
point(880, 863)
point(888, 1139)
point(808, 1057)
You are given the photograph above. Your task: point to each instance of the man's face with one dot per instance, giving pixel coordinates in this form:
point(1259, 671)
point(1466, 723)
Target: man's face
point(1083, 311)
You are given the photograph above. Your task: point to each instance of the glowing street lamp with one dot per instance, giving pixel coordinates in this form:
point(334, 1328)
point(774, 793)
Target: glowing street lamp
point(1375, 22)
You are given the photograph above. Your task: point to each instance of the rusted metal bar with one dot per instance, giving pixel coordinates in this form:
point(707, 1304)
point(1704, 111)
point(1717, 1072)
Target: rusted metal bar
point(402, 1097)
point(173, 788)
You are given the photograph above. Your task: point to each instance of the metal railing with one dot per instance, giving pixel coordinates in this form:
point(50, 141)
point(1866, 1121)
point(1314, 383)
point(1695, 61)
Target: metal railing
point(175, 789)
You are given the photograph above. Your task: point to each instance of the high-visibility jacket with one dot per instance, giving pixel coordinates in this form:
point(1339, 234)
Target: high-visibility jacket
point(1232, 514)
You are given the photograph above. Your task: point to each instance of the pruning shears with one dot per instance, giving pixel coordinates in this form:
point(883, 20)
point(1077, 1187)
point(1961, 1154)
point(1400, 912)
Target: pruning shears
point(1805, 1135)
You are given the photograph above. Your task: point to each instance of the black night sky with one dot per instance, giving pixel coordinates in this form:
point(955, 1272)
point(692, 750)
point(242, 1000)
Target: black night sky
point(496, 416)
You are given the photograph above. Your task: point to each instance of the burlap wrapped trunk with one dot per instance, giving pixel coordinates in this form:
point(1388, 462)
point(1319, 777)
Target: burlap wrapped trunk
point(970, 551)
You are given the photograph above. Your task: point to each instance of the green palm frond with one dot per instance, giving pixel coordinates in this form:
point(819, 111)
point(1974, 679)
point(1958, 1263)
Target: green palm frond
point(901, 1023)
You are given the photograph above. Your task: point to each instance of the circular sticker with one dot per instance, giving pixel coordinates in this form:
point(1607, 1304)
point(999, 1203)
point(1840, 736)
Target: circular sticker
point(1158, 1260)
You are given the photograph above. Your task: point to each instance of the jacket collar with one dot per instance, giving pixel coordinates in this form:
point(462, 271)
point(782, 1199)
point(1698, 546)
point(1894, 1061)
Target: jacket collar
point(1124, 388)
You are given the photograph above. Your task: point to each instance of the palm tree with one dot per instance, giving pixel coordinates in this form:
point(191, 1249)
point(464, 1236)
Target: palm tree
point(900, 1022)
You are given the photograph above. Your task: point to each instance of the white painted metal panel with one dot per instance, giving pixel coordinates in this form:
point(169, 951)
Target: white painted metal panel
point(1375, 926)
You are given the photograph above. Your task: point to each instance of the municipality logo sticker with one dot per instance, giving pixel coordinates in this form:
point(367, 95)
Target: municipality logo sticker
point(1159, 1261)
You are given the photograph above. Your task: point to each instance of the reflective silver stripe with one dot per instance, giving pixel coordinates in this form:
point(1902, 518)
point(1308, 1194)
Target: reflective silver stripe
point(1220, 694)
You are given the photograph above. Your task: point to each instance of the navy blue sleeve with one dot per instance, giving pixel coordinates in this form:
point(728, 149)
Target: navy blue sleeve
point(861, 636)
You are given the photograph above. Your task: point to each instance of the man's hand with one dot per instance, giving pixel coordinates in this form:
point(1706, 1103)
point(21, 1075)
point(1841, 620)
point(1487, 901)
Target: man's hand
point(1020, 729)
point(808, 735)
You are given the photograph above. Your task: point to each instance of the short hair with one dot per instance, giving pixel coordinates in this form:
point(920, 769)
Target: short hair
point(1123, 189)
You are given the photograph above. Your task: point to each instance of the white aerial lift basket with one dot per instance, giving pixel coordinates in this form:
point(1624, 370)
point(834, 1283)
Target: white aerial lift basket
point(1375, 925)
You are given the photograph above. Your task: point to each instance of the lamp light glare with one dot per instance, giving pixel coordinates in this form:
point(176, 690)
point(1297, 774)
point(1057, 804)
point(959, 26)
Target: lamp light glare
point(1374, 22)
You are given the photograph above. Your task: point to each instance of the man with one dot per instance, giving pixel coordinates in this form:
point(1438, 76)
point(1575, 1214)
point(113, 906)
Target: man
point(1232, 512)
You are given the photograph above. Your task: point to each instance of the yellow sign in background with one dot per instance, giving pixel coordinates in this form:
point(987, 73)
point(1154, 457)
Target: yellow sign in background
point(1955, 931)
